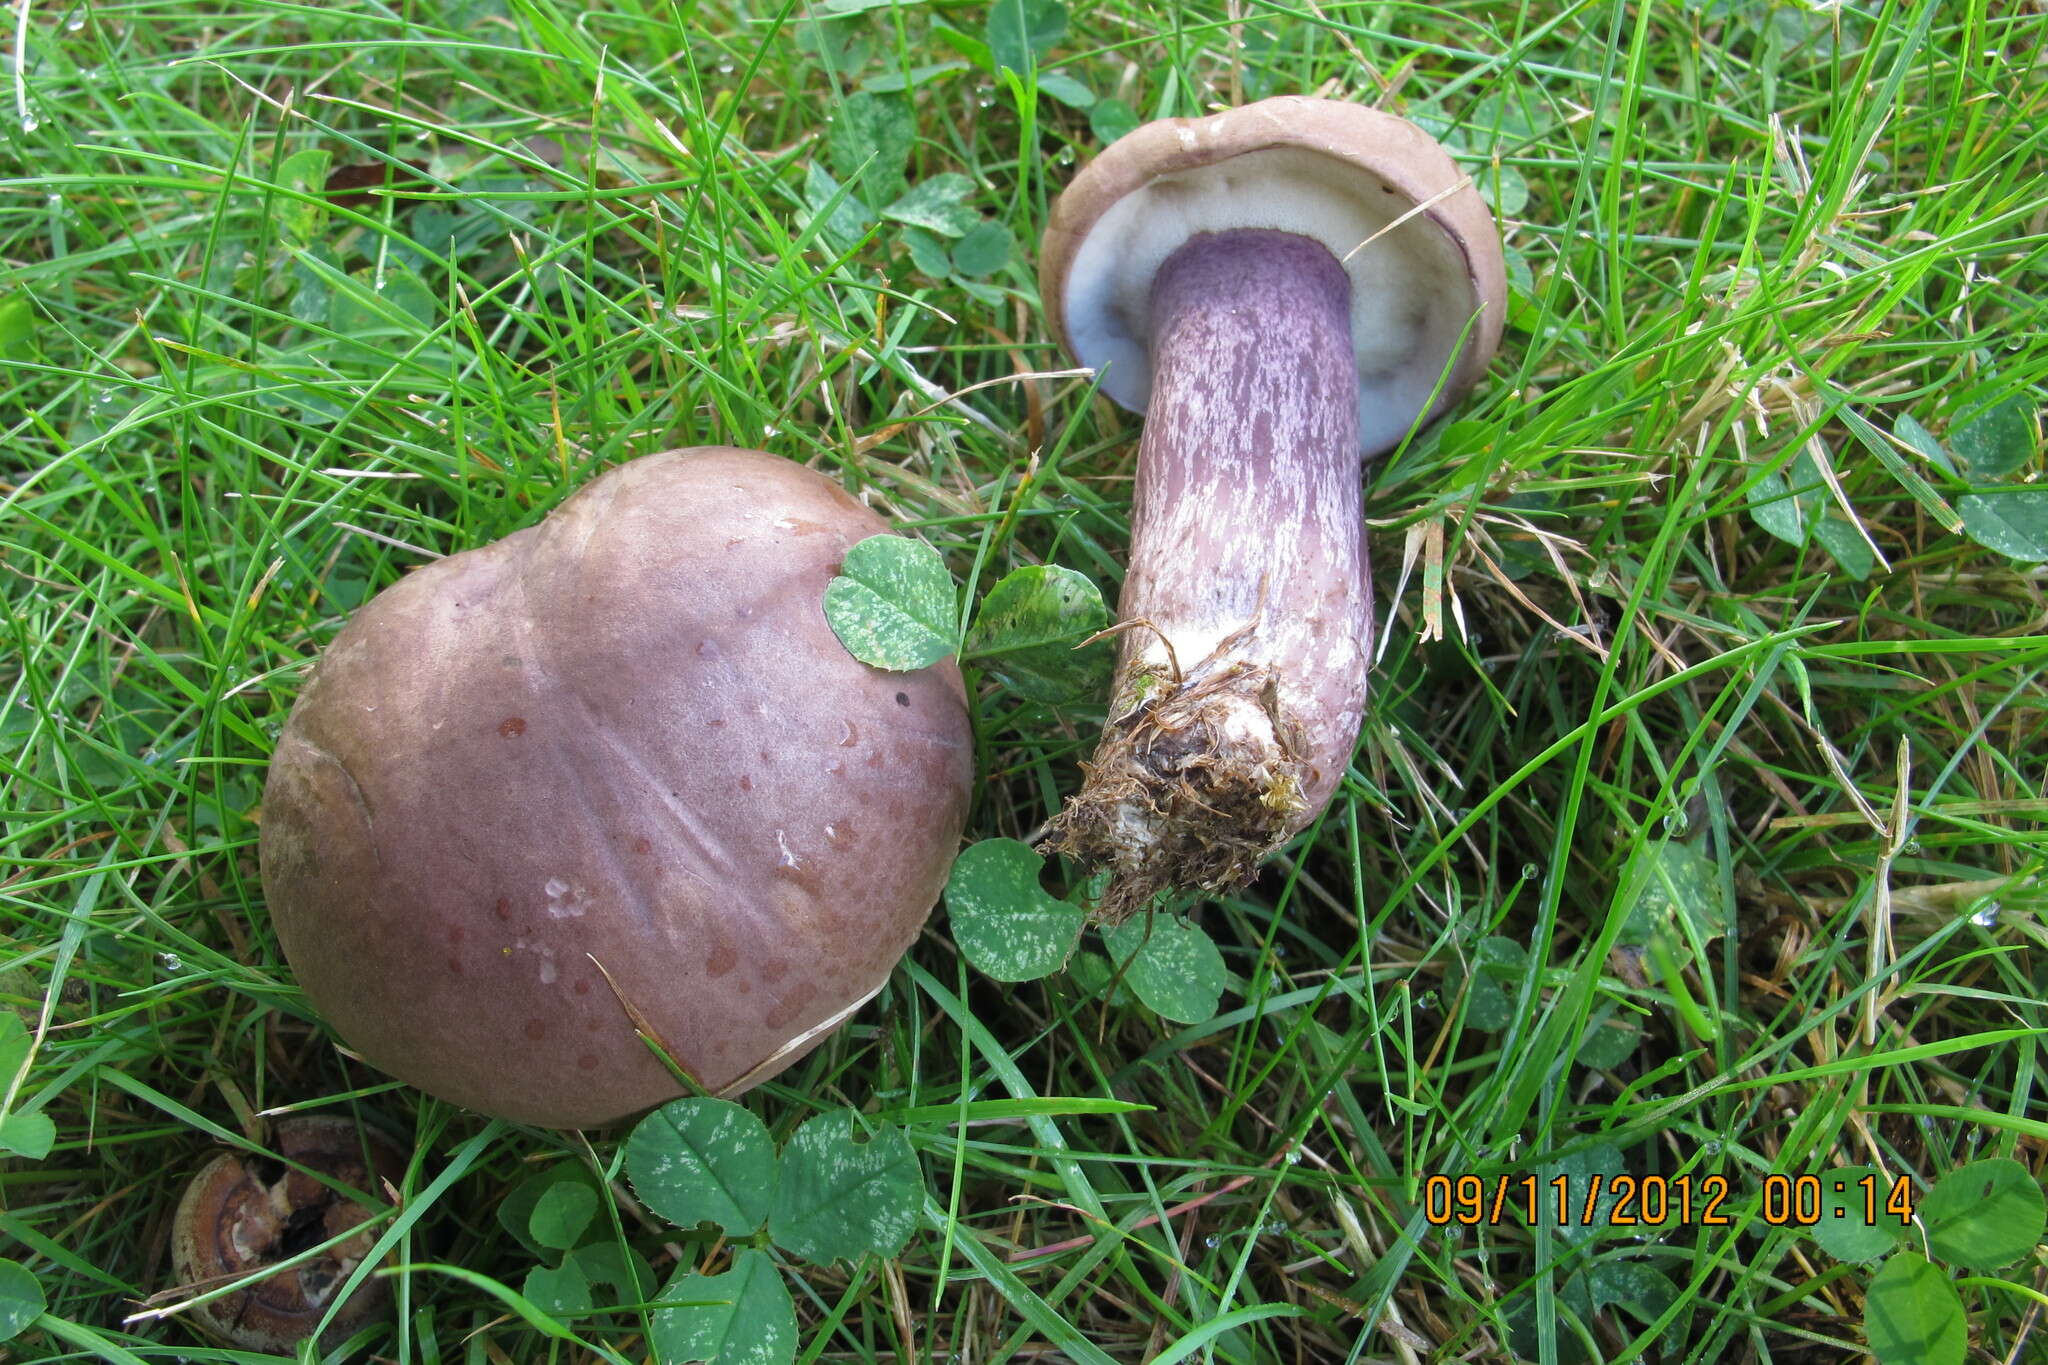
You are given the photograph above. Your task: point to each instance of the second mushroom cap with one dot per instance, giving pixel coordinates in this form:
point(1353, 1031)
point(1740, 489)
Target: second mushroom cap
point(1418, 242)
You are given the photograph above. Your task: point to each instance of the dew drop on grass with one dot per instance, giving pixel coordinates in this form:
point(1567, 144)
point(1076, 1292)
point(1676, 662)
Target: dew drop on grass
point(1210, 1241)
point(1530, 872)
point(1988, 916)
point(29, 123)
point(1294, 1156)
point(74, 26)
point(170, 962)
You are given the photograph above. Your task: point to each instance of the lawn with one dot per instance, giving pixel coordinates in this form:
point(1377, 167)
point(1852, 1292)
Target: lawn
point(1695, 836)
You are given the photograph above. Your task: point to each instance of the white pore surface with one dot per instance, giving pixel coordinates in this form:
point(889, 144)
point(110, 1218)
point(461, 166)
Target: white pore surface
point(1410, 294)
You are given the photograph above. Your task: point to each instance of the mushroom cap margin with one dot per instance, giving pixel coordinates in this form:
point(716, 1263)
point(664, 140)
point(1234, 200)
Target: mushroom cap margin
point(1370, 142)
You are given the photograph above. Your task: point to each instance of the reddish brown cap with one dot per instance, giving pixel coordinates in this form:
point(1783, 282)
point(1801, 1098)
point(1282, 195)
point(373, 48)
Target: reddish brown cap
point(1338, 172)
point(614, 771)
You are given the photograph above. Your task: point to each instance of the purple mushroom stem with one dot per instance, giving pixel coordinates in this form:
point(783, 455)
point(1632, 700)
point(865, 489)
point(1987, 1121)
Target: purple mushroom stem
point(1246, 615)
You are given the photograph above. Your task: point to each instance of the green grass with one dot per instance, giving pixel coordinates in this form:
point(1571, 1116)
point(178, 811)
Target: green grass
point(1755, 245)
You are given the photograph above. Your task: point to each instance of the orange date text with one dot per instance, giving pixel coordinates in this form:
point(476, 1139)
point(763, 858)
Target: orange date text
point(1609, 1201)
point(1620, 1201)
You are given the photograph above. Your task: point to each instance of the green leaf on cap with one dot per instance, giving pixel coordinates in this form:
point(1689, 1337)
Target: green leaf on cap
point(892, 604)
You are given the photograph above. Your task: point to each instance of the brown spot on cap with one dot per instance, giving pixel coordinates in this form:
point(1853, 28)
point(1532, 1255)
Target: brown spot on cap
point(790, 1007)
point(536, 1029)
point(797, 876)
point(722, 960)
point(512, 726)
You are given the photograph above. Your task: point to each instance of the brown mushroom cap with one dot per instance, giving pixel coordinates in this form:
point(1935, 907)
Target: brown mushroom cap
point(625, 739)
point(1326, 169)
point(243, 1212)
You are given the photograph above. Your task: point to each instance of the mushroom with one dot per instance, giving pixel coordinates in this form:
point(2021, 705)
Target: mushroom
point(244, 1212)
point(610, 776)
point(1282, 289)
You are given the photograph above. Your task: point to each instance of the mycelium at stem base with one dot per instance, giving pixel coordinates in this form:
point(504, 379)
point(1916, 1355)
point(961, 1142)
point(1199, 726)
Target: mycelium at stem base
point(1246, 614)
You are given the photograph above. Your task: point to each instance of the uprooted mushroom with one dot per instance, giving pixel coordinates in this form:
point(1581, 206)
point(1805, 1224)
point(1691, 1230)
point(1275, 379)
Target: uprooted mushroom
point(1281, 289)
point(607, 782)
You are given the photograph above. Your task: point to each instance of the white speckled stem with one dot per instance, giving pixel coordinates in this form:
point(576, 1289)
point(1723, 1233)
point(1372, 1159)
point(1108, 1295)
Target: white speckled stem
point(1247, 606)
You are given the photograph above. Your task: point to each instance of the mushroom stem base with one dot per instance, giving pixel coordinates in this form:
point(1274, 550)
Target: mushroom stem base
point(1191, 789)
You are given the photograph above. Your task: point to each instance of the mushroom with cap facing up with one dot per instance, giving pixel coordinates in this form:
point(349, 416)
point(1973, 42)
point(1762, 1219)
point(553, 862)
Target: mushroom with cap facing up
point(1281, 289)
point(613, 777)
